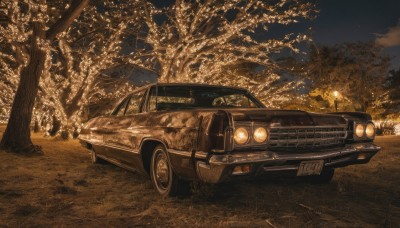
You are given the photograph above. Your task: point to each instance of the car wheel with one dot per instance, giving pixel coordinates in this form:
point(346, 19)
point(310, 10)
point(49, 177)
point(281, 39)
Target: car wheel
point(324, 178)
point(162, 176)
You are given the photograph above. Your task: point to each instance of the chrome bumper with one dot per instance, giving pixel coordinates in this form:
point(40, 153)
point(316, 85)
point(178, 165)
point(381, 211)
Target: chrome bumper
point(219, 168)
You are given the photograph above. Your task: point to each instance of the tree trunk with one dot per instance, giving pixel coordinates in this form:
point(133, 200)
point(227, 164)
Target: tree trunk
point(17, 135)
point(17, 138)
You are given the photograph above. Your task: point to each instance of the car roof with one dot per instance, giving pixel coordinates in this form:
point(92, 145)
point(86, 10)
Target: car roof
point(145, 87)
point(192, 84)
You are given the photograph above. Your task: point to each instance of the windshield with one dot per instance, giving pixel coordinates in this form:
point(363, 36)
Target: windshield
point(189, 97)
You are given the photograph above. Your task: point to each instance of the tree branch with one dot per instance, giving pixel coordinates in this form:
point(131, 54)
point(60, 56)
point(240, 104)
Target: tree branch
point(67, 18)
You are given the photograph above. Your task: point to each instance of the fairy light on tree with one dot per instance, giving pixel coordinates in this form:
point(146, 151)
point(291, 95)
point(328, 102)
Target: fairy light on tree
point(198, 40)
point(268, 85)
point(72, 78)
point(90, 46)
point(35, 30)
point(13, 55)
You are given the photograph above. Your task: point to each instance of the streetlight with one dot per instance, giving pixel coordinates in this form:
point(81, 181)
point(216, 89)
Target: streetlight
point(336, 94)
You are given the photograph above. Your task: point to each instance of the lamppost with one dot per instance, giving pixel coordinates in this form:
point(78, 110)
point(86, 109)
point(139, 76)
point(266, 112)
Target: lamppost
point(336, 94)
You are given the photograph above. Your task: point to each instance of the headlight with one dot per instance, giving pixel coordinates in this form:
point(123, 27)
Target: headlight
point(370, 130)
point(260, 135)
point(241, 135)
point(360, 130)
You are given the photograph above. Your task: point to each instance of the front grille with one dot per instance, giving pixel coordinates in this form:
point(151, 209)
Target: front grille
point(306, 138)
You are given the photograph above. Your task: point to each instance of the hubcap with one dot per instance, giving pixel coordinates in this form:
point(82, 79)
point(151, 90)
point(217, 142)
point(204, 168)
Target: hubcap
point(162, 171)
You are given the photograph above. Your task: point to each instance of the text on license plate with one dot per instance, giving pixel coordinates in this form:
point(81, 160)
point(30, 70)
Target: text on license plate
point(307, 168)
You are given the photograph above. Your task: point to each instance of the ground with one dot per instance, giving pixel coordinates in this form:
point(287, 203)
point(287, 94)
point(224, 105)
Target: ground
point(63, 188)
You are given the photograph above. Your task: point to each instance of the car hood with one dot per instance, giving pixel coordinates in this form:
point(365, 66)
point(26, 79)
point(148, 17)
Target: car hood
point(286, 118)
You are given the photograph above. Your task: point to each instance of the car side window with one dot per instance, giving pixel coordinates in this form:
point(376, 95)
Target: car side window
point(152, 100)
point(135, 103)
point(120, 110)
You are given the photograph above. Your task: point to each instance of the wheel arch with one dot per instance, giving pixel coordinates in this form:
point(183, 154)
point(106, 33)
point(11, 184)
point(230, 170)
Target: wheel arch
point(147, 147)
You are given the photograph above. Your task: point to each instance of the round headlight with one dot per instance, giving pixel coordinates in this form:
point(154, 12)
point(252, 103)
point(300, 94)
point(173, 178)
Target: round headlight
point(241, 135)
point(370, 130)
point(360, 130)
point(260, 135)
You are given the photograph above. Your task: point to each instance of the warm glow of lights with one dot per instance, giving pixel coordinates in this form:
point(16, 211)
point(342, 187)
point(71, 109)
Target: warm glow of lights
point(72, 78)
point(183, 48)
point(241, 135)
point(359, 130)
point(370, 130)
point(336, 94)
point(241, 169)
point(205, 55)
point(260, 135)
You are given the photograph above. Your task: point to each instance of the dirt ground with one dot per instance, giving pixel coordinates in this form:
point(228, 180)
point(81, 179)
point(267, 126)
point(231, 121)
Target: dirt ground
point(63, 189)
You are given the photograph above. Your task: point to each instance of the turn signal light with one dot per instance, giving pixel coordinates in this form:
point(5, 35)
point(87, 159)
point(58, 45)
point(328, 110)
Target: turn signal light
point(362, 156)
point(241, 169)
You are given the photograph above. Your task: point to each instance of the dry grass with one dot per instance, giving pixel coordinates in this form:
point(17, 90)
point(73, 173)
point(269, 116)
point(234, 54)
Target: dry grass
point(62, 188)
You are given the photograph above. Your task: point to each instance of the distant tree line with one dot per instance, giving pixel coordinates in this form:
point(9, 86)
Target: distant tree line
point(359, 72)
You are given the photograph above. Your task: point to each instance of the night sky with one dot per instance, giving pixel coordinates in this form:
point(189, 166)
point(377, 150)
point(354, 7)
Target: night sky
point(359, 20)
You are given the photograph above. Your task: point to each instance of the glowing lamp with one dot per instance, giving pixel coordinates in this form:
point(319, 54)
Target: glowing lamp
point(260, 135)
point(241, 135)
point(359, 130)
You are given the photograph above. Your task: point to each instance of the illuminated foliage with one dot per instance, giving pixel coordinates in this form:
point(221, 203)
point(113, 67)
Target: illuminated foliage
point(72, 76)
point(187, 41)
point(197, 41)
point(13, 55)
point(74, 79)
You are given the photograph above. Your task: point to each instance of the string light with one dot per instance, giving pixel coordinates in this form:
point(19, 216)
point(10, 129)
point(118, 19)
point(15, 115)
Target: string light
point(198, 41)
point(72, 77)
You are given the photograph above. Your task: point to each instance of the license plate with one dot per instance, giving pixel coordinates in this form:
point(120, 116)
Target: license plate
point(307, 168)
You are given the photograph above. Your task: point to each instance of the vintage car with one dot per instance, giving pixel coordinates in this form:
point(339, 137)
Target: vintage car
point(178, 133)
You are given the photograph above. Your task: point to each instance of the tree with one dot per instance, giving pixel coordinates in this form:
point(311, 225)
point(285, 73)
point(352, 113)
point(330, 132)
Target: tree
point(356, 70)
point(9, 71)
point(197, 40)
point(33, 18)
point(276, 88)
point(74, 79)
point(12, 55)
point(390, 100)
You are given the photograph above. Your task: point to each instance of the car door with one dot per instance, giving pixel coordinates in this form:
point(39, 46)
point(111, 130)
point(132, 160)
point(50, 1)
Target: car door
point(124, 147)
point(108, 130)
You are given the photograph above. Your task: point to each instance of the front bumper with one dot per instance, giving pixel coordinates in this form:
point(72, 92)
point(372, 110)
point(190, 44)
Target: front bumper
point(218, 168)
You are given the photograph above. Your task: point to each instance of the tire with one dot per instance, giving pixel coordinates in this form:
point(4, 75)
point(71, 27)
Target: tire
point(324, 178)
point(163, 177)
